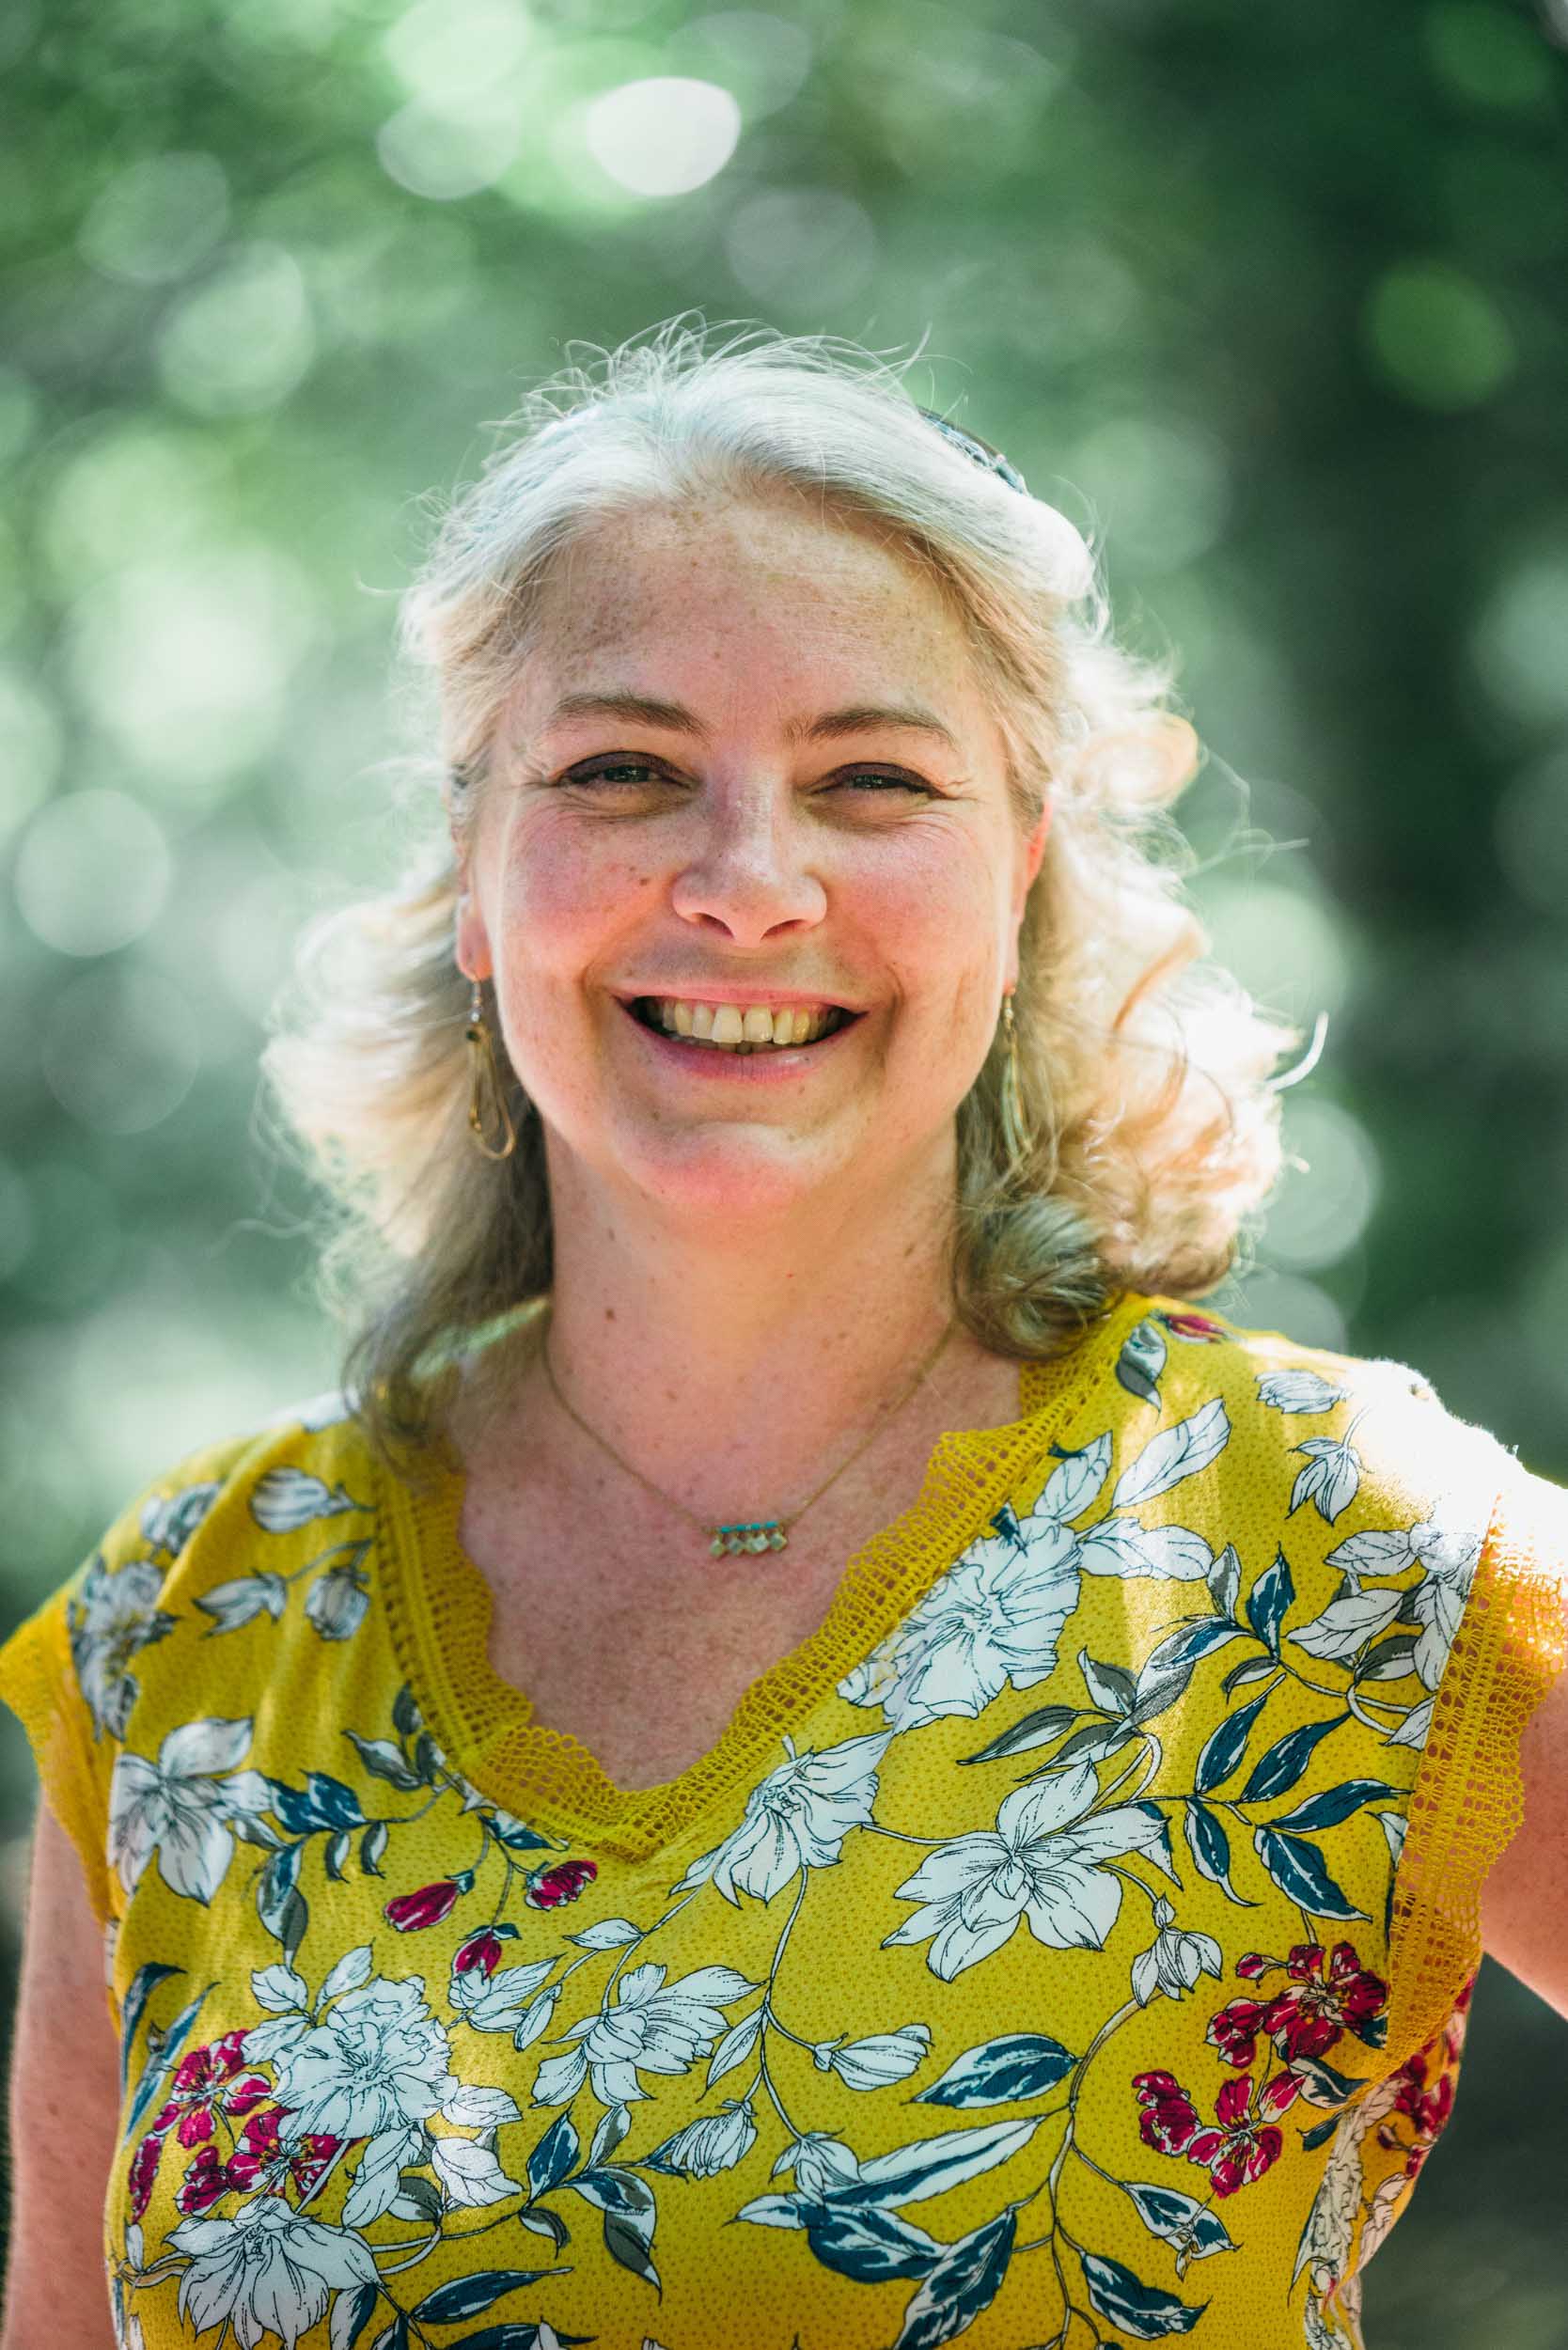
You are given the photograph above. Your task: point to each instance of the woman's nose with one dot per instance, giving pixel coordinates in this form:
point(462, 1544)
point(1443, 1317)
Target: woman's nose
point(752, 874)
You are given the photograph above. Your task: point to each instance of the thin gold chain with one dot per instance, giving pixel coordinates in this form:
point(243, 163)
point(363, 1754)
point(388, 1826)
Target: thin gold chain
point(782, 1523)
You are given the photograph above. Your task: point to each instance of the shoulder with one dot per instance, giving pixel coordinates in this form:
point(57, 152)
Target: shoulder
point(1337, 1428)
point(205, 1545)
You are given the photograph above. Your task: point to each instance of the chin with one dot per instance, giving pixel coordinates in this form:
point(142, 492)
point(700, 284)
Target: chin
point(742, 1175)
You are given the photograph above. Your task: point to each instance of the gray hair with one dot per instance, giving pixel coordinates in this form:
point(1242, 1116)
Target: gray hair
point(1144, 1070)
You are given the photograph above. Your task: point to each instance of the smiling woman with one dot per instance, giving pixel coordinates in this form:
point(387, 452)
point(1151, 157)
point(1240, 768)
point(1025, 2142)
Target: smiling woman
point(786, 1541)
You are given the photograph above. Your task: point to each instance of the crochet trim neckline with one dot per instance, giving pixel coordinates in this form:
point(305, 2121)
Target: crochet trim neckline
point(439, 1608)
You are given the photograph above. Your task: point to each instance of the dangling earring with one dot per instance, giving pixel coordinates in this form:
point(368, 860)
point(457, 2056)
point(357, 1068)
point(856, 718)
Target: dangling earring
point(1015, 1127)
point(487, 1101)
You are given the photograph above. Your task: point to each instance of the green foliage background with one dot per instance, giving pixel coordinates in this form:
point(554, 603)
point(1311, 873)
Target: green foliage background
point(1271, 298)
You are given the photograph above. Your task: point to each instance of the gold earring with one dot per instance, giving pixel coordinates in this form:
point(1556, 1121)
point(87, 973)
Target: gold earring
point(487, 1101)
point(1015, 1127)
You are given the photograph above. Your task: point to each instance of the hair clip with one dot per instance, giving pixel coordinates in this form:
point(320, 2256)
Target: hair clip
point(982, 451)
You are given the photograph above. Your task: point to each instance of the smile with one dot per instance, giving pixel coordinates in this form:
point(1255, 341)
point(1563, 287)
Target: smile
point(747, 1060)
point(740, 1028)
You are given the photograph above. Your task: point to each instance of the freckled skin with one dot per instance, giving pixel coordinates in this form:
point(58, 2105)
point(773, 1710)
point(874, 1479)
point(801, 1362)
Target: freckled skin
point(772, 1257)
point(751, 869)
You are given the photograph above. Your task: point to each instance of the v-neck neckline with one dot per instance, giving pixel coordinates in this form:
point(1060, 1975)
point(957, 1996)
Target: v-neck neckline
point(440, 1606)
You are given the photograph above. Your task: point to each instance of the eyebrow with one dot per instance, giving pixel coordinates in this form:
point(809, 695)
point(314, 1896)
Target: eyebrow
point(831, 725)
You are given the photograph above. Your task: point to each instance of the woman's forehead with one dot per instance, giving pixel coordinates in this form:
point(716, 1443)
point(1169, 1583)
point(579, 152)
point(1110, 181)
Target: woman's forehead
point(685, 590)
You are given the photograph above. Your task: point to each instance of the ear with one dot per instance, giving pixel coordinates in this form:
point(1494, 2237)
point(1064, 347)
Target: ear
point(471, 941)
point(1032, 852)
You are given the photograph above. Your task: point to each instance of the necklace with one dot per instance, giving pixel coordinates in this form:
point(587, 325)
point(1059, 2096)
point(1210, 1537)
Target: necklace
point(758, 1534)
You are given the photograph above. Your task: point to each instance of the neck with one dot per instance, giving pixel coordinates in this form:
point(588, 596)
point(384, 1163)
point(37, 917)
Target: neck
point(736, 1373)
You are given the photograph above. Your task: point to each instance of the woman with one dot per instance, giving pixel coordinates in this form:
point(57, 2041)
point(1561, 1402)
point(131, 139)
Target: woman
point(805, 1754)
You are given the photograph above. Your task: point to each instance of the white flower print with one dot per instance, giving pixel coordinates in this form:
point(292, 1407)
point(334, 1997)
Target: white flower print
point(647, 2026)
point(1176, 1960)
point(1038, 1863)
point(716, 2142)
point(177, 1808)
point(336, 1602)
point(992, 1618)
point(876, 2062)
point(1437, 1601)
point(116, 1614)
point(797, 1818)
point(267, 2270)
point(378, 2063)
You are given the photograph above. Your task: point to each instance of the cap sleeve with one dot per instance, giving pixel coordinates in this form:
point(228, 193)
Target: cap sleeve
point(1468, 1802)
point(69, 1672)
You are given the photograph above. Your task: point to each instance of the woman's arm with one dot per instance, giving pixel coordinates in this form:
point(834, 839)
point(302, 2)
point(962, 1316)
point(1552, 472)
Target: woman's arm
point(65, 2113)
point(1524, 1901)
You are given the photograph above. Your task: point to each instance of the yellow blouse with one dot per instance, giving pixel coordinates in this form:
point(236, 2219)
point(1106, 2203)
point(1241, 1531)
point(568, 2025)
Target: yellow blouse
point(1070, 1943)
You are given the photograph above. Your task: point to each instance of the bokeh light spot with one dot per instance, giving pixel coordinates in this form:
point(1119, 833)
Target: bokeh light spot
point(440, 48)
point(186, 665)
point(1437, 337)
point(762, 59)
point(157, 218)
point(92, 874)
point(119, 1049)
point(1318, 1215)
point(802, 244)
point(241, 341)
point(452, 150)
point(1487, 55)
point(663, 136)
point(1162, 489)
point(1520, 641)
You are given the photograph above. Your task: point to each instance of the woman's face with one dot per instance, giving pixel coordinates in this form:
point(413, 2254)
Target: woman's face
point(753, 837)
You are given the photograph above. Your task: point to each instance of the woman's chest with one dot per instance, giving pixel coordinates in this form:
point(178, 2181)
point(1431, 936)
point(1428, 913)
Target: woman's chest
point(636, 1640)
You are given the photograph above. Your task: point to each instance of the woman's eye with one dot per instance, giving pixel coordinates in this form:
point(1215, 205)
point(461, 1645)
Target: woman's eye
point(609, 771)
point(897, 783)
point(613, 771)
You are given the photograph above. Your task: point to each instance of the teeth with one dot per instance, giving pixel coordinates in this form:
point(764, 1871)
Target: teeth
point(742, 1030)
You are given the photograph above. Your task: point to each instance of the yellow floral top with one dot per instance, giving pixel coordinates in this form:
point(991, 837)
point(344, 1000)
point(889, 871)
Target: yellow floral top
point(1069, 1944)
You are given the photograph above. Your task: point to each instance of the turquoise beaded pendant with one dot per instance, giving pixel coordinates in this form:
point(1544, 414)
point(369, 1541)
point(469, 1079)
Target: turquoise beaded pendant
point(768, 1535)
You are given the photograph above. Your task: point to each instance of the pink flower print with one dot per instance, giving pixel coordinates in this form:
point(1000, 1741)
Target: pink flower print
point(1306, 2018)
point(1196, 1326)
point(1246, 2145)
point(207, 2082)
point(266, 2160)
point(144, 2169)
point(411, 1912)
point(482, 1949)
point(204, 2085)
point(204, 2182)
point(1428, 2108)
point(549, 1887)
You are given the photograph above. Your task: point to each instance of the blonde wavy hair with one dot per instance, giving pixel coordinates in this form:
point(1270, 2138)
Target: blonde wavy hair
point(1144, 1070)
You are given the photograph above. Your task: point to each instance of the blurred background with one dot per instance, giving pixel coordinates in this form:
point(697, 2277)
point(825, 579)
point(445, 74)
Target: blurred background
point(1270, 300)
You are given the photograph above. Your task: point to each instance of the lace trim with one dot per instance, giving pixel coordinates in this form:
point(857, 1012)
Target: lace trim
point(439, 1606)
point(1467, 1803)
point(34, 1672)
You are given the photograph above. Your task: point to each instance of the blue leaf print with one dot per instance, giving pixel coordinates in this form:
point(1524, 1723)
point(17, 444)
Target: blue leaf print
point(1276, 1772)
point(466, 2297)
point(1225, 1745)
point(1211, 1849)
point(147, 1980)
point(998, 2072)
point(965, 2282)
point(1334, 1803)
point(869, 2245)
point(551, 2159)
point(1268, 1599)
point(1127, 2301)
point(1299, 1871)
